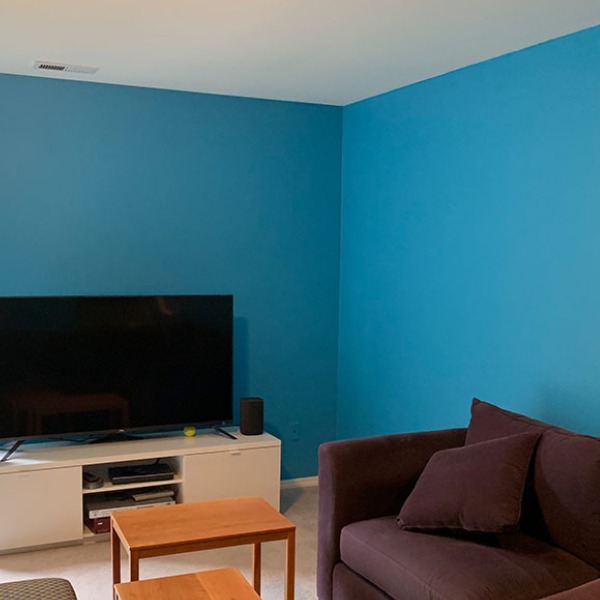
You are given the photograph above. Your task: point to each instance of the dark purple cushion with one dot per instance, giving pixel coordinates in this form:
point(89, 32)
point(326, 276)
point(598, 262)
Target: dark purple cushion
point(562, 503)
point(587, 591)
point(421, 566)
point(347, 585)
point(489, 422)
point(566, 481)
point(472, 488)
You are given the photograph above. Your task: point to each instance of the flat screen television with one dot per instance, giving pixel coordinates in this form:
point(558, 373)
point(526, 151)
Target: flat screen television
point(89, 365)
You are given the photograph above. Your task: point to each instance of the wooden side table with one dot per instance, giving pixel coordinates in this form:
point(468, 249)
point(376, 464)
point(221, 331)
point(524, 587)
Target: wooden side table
point(221, 584)
point(197, 526)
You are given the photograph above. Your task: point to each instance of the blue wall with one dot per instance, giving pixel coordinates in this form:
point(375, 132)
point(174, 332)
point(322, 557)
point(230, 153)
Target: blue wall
point(116, 190)
point(470, 234)
point(471, 245)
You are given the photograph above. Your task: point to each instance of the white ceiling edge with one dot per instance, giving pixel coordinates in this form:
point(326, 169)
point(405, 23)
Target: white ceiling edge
point(334, 52)
point(432, 72)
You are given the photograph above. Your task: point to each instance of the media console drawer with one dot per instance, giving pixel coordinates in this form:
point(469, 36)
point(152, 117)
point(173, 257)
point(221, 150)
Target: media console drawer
point(40, 507)
point(251, 472)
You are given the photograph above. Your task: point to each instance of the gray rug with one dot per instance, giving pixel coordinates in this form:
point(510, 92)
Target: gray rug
point(88, 566)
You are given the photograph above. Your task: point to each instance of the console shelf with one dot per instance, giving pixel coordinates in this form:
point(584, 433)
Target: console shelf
point(110, 487)
point(102, 471)
point(42, 488)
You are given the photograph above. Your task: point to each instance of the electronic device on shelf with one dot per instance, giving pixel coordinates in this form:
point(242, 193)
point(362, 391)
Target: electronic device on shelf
point(98, 525)
point(97, 510)
point(140, 473)
point(90, 365)
point(91, 481)
point(152, 494)
point(102, 507)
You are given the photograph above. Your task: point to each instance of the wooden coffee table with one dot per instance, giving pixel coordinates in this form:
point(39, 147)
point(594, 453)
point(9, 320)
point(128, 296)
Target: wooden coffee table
point(221, 584)
point(197, 526)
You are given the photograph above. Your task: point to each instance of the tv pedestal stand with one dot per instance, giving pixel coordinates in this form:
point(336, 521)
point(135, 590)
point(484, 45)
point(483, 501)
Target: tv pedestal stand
point(119, 436)
point(225, 433)
point(12, 449)
point(43, 493)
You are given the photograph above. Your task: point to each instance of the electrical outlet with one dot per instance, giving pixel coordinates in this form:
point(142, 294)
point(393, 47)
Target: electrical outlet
point(295, 431)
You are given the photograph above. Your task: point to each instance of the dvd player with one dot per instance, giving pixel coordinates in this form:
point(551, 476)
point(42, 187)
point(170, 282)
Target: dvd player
point(140, 473)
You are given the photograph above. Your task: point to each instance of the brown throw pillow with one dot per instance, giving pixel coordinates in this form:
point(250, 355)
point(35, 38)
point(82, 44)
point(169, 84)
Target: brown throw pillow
point(489, 421)
point(473, 488)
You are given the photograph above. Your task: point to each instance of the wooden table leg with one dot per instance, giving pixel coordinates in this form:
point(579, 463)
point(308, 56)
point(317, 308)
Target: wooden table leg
point(115, 547)
point(256, 567)
point(134, 566)
point(290, 565)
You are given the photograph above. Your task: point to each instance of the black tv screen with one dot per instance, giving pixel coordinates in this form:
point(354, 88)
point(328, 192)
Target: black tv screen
point(87, 365)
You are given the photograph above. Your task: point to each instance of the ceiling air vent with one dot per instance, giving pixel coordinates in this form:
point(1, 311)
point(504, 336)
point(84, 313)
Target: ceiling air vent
point(44, 65)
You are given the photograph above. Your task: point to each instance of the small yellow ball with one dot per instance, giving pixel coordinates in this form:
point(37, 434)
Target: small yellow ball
point(189, 431)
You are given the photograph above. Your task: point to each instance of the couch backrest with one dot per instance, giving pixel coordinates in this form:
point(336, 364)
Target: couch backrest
point(562, 502)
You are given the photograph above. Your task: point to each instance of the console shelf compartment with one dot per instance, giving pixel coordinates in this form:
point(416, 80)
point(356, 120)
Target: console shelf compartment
point(42, 483)
point(108, 486)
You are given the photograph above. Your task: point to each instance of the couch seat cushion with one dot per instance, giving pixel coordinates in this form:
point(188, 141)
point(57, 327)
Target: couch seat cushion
point(423, 566)
point(587, 591)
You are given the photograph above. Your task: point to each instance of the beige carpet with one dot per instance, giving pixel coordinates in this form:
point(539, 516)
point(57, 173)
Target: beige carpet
point(88, 566)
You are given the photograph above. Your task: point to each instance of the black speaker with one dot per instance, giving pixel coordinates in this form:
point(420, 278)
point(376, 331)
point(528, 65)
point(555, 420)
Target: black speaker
point(251, 416)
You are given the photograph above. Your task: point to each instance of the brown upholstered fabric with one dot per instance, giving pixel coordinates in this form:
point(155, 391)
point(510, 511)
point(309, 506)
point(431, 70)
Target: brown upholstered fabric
point(421, 566)
point(50, 588)
point(347, 585)
point(474, 488)
point(567, 487)
point(489, 422)
point(564, 494)
point(376, 560)
point(367, 478)
point(587, 591)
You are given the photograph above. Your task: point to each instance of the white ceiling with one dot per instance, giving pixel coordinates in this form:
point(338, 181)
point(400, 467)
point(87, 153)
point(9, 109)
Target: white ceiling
point(323, 51)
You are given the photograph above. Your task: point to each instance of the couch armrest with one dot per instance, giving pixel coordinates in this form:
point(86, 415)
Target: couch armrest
point(365, 479)
point(587, 591)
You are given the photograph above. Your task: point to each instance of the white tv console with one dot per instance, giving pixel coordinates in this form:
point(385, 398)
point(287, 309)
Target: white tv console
point(42, 495)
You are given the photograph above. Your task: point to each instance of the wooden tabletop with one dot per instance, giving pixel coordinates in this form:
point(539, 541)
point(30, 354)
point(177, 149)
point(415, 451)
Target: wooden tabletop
point(221, 584)
point(218, 520)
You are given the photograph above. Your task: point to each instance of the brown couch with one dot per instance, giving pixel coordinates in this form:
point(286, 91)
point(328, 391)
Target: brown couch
point(554, 553)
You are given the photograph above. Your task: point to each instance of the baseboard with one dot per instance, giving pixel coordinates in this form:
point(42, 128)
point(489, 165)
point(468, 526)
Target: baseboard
point(302, 482)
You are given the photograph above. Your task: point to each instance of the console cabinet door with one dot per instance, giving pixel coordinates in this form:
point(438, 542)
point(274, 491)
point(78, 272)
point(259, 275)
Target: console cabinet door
point(230, 474)
point(40, 507)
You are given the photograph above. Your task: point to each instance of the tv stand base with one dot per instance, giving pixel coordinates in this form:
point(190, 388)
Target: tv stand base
point(118, 436)
point(225, 433)
point(42, 485)
point(12, 449)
